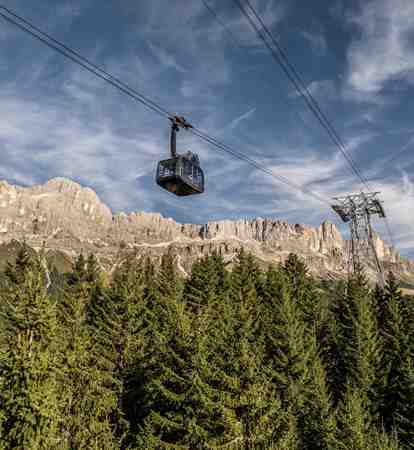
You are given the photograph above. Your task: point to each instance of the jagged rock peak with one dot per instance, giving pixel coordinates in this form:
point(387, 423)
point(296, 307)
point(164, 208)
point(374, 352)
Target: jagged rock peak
point(71, 218)
point(62, 184)
point(65, 185)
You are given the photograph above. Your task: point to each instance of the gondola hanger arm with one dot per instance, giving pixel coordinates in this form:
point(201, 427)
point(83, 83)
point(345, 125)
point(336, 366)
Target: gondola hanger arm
point(180, 122)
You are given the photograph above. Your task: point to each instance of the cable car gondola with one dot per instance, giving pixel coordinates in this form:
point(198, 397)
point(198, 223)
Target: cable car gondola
point(181, 174)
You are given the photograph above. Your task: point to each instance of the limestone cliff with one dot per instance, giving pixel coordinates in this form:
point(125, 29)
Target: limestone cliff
point(66, 218)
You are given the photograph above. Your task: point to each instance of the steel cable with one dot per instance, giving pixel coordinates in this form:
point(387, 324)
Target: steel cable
point(290, 71)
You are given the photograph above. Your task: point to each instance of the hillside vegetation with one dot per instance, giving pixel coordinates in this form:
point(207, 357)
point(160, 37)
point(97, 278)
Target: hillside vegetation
point(240, 360)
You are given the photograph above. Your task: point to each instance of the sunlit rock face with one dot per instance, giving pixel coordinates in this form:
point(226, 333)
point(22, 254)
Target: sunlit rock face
point(64, 218)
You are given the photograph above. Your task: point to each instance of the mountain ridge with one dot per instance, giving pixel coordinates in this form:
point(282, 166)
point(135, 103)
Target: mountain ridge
point(63, 216)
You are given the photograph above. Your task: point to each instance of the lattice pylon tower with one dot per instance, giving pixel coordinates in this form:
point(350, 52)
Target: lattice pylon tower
point(357, 210)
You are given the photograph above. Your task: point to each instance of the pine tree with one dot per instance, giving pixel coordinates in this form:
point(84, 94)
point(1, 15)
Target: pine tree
point(170, 404)
point(357, 431)
point(344, 300)
point(397, 396)
point(318, 421)
point(296, 272)
point(30, 364)
point(116, 318)
point(16, 271)
point(360, 352)
point(78, 273)
point(86, 401)
point(168, 389)
point(312, 300)
point(208, 279)
point(92, 273)
point(169, 283)
point(130, 285)
point(297, 318)
point(252, 408)
point(365, 348)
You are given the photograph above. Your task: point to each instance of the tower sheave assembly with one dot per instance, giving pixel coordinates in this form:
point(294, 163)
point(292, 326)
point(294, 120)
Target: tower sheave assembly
point(357, 210)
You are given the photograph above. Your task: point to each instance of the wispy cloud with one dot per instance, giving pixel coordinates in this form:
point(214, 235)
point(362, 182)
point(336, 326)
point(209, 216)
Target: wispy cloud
point(238, 120)
point(384, 50)
point(317, 41)
point(165, 58)
point(325, 90)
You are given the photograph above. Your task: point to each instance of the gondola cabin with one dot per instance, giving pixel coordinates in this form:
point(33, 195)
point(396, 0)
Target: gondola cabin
point(181, 175)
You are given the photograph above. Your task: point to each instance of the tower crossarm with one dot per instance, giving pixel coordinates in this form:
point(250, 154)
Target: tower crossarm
point(356, 210)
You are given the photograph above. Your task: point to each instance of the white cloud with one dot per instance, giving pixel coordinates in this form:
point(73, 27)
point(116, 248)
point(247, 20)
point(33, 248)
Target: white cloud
point(272, 12)
point(398, 196)
point(166, 58)
point(317, 41)
point(383, 52)
point(238, 120)
point(324, 90)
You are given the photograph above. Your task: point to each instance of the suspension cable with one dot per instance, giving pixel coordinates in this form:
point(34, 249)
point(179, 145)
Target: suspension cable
point(257, 165)
point(221, 23)
point(51, 42)
point(280, 56)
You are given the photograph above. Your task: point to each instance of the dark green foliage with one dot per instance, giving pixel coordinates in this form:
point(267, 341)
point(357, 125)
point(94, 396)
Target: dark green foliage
point(241, 360)
point(78, 273)
point(29, 361)
point(397, 395)
point(89, 400)
point(208, 281)
point(16, 271)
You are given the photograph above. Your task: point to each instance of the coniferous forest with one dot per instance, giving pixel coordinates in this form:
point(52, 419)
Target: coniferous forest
point(247, 359)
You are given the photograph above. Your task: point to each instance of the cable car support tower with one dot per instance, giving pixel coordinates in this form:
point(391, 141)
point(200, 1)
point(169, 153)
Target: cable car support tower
point(357, 210)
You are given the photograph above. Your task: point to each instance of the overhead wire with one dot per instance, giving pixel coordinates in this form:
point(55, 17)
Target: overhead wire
point(217, 18)
point(321, 114)
point(235, 44)
point(77, 58)
point(258, 166)
point(280, 56)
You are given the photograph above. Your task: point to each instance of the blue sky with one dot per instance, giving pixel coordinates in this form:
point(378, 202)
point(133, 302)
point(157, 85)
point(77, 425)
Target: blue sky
point(357, 58)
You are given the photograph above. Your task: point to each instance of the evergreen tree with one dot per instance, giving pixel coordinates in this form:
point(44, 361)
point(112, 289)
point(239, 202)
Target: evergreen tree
point(92, 273)
point(296, 272)
point(397, 395)
point(169, 402)
point(129, 287)
point(211, 389)
point(208, 280)
point(87, 402)
point(365, 347)
point(78, 273)
point(168, 282)
point(318, 421)
point(344, 300)
point(357, 430)
point(253, 410)
point(30, 363)
point(294, 347)
point(115, 318)
point(16, 271)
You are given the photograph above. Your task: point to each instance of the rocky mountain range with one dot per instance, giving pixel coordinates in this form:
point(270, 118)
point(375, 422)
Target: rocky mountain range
point(65, 219)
